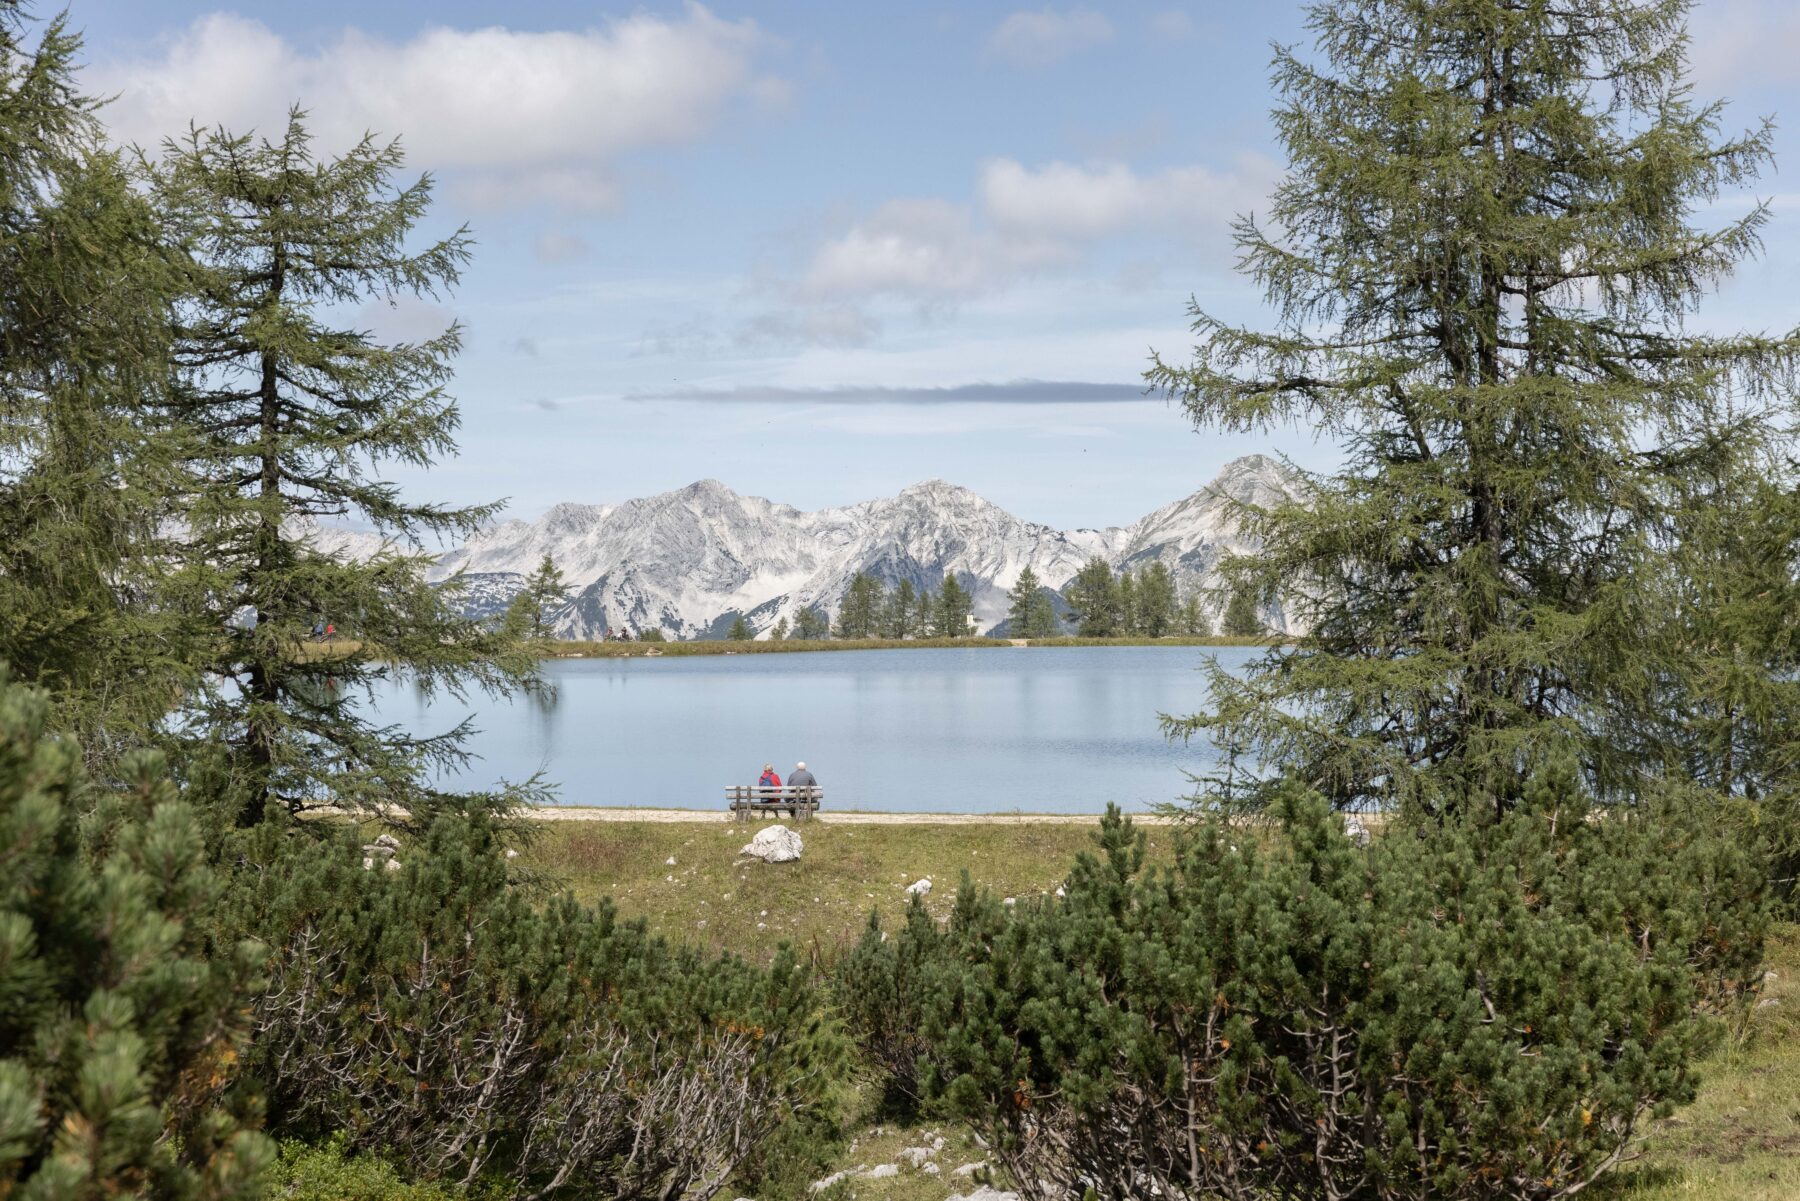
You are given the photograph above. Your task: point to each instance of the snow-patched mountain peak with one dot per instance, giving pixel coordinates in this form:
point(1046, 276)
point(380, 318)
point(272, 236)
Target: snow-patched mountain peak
point(692, 559)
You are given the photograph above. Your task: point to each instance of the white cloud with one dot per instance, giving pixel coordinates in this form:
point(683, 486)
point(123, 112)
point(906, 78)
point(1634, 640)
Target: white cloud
point(534, 116)
point(918, 248)
point(405, 319)
point(1045, 36)
point(1022, 220)
point(1065, 200)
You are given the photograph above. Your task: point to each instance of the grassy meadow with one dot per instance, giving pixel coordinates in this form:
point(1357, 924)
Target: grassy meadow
point(1740, 1141)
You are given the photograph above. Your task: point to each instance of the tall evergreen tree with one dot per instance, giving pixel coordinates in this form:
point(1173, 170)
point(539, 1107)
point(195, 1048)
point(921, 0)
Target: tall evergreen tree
point(1481, 257)
point(780, 632)
point(1024, 592)
point(899, 611)
point(925, 620)
point(1094, 595)
point(1193, 619)
point(1126, 589)
point(294, 417)
point(1241, 620)
point(861, 611)
point(85, 457)
point(740, 630)
point(954, 604)
point(810, 624)
point(546, 592)
point(1156, 613)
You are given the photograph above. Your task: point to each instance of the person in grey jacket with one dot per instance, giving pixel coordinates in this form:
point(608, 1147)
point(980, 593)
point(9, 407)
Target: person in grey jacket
point(801, 778)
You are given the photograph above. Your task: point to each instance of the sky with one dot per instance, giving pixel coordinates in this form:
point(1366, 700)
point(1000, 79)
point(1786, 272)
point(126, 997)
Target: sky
point(820, 251)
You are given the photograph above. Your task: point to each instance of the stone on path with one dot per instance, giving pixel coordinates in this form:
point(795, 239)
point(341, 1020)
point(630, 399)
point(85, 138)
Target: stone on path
point(774, 844)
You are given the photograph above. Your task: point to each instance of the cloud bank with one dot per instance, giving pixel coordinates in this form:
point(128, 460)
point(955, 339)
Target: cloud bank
point(510, 116)
point(1022, 219)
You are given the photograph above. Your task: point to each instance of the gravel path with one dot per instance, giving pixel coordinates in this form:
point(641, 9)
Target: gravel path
point(577, 813)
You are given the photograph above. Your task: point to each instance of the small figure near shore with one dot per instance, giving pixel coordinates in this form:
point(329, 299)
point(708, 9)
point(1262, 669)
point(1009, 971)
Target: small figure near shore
point(769, 778)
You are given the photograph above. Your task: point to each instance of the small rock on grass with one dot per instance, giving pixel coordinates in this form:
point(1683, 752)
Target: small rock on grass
point(918, 888)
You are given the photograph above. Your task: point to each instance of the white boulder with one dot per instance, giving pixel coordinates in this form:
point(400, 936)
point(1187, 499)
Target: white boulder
point(774, 844)
point(918, 888)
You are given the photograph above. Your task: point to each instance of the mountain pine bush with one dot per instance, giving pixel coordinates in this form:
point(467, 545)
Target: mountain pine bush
point(1483, 1009)
point(469, 1027)
point(120, 1028)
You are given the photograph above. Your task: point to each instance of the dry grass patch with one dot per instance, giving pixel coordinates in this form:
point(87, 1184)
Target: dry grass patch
point(712, 897)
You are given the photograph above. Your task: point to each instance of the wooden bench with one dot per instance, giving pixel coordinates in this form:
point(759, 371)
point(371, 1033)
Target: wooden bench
point(749, 799)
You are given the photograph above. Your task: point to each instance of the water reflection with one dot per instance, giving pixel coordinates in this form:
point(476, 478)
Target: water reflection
point(1039, 730)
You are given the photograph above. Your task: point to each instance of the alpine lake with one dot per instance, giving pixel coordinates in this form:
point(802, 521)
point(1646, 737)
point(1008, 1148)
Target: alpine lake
point(1051, 730)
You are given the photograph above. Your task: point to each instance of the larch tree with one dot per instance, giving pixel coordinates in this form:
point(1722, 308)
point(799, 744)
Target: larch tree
point(1023, 595)
point(954, 604)
point(1156, 613)
point(1094, 595)
point(86, 456)
point(1240, 619)
point(860, 613)
point(1126, 589)
point(899, 611)
point(1193, 619)
point(925, 616)
point(294, 418)
point(546, 591)
point(810, 624)
point(1496, 217)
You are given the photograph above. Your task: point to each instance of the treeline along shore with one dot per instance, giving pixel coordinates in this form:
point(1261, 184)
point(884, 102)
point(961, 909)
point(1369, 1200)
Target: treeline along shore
point(626, 650)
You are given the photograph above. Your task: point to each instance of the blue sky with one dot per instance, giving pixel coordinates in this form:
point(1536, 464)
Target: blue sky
point(812, 250)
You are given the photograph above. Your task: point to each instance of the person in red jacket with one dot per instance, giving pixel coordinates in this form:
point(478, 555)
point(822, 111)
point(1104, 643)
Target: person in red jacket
point(769, 779)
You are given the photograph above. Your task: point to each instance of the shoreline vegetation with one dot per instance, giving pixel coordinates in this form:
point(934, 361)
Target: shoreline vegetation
point(1735, 1142)
point(549, 648)
point(627, 650)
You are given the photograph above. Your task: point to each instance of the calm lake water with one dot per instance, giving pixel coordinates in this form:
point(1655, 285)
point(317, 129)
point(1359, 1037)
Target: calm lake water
point(1044, 730)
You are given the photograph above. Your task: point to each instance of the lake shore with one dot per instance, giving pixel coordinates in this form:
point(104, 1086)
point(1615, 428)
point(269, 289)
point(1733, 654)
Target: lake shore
point(571, 649)
point(847, 817)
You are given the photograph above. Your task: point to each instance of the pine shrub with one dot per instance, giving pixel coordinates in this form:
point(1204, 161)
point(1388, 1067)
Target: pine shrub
point(470, 1027)
point(120, 1028)
point(1481, 1009)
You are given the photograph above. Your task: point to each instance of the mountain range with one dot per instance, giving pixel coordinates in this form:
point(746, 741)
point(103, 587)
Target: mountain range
point(692, 560)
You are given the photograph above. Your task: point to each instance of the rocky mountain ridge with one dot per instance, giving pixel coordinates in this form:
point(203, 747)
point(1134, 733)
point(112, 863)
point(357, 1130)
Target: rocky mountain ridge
point(691, 560)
